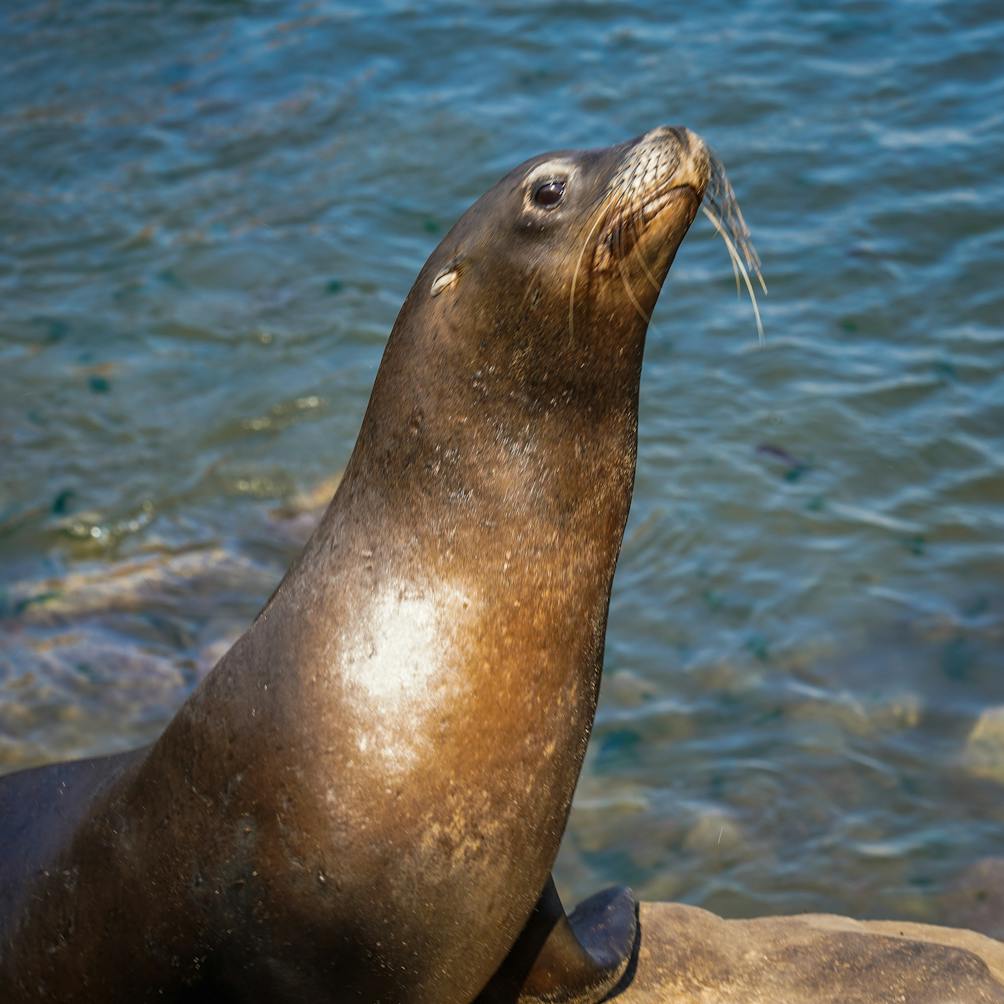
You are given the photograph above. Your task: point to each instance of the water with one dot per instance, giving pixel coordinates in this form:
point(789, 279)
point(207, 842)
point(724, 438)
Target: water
point(209, 216)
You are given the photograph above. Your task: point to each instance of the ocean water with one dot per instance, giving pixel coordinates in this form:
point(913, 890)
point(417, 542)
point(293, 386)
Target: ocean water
point(209, 215)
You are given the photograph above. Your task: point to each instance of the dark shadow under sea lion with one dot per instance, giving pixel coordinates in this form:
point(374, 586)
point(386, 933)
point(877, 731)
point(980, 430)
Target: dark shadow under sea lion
point(364, 799)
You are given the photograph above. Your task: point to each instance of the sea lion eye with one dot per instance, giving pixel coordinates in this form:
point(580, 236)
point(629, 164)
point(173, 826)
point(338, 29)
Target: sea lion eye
point(549, 194)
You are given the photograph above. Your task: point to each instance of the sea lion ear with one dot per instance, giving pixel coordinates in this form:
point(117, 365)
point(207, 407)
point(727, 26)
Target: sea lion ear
point(447, 276)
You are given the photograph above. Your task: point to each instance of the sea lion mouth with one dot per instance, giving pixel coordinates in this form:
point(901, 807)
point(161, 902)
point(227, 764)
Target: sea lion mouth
point(651, 209)
point(664, 168)
point(628, 223)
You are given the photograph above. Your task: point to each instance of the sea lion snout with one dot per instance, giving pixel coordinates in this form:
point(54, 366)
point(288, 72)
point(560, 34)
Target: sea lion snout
point(668, 154)
point(652, 197)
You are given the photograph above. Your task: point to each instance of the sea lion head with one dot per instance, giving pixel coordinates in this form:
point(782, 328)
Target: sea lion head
point(548, 281)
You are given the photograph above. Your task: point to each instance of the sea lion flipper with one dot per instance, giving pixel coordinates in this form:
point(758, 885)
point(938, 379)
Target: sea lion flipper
point(568, 960)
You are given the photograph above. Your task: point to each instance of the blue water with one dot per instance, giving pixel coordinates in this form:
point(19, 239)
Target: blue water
point(209, 216)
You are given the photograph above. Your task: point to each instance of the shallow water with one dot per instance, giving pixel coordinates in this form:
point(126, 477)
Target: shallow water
point(209, 216)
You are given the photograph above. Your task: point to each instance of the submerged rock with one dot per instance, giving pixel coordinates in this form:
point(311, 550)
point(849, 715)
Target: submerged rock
point(984, 755)
point(714, 833)
point(976, 898)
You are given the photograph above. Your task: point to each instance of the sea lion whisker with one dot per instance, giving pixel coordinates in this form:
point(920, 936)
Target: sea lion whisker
point(646, 317)
point(722, 198)
point(635, 251)
point(742, 269)
point(530, 284)
point(736, 227)
point(601, 215)
point(732, 258)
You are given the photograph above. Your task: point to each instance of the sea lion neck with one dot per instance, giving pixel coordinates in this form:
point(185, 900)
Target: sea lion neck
point(526, 427)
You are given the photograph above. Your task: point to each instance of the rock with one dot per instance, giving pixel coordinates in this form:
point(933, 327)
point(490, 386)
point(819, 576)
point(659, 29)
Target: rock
point(714, 833)
point(626, 689)
point(976, 899)
point(690, 956)
point(134, 584)
point(984, 755)
point(63, 694)
point(298, 516)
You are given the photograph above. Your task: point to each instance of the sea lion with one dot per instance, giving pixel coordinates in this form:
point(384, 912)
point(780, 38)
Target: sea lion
point(364, 799)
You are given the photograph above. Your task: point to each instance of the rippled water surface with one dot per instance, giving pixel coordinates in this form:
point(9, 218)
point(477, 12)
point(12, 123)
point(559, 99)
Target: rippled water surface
point(209, 216)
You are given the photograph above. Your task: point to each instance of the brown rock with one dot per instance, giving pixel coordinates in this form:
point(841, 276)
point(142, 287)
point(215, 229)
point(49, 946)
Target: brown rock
point(691, 956)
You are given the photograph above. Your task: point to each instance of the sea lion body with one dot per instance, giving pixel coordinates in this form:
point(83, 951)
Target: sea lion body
point(364, 799)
